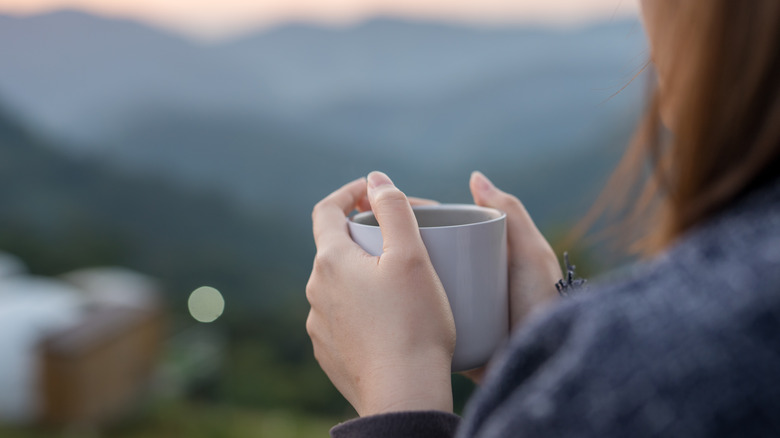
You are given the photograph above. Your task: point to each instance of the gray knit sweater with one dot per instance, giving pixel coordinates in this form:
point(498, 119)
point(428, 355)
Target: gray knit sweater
point(685, 345)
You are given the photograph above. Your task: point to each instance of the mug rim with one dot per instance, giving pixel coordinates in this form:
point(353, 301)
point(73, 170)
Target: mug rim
point(501, 215)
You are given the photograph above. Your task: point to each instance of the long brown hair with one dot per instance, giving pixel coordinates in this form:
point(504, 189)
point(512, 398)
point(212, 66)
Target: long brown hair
point(722, 78)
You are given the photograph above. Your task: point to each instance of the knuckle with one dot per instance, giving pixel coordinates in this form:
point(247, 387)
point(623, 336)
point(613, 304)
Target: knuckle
point(316, 209)
point(324, 259)
point(390, 197)
point(310, 291)
point(329, 260)
point(510, 202)
point(310, 329)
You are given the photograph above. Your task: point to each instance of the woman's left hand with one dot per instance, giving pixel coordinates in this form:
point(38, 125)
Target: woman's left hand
point(381, 327)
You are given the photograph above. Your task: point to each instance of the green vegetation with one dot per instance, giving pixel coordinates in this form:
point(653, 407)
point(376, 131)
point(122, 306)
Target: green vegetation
point(196, 420)
point(60, 212)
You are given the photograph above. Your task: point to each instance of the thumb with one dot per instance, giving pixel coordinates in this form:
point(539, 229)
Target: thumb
point(520, 226)
point(400, 232)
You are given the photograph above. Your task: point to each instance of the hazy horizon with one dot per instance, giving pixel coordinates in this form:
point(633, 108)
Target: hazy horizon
point(201, 19)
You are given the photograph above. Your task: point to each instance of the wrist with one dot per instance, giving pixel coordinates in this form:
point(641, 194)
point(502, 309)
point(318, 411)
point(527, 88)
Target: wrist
point(407, 386)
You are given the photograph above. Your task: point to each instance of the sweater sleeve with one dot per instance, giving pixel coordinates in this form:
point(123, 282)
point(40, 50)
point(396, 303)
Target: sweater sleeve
point(428, 424)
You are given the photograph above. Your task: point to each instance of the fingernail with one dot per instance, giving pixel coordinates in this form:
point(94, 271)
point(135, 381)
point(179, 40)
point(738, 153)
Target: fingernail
point(481, 182)
point(376, 179)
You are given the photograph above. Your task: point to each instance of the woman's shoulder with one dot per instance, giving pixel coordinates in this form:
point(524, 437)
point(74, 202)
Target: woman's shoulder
point(710, 276)
point(691, 335)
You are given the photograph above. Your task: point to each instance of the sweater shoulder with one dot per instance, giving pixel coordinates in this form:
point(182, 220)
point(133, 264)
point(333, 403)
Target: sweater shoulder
point(692, 335)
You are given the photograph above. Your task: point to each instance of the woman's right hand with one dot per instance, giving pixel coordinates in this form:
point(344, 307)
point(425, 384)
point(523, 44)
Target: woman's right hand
point(381, 327)
point(533, 266)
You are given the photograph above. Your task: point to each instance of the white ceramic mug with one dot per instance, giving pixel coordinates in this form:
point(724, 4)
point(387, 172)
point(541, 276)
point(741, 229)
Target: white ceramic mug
point(468, 249)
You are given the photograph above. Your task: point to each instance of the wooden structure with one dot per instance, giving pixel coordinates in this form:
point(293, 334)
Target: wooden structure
point(93, 372)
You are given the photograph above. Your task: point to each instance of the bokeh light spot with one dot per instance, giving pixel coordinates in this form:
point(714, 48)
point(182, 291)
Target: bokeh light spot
point(206, 304)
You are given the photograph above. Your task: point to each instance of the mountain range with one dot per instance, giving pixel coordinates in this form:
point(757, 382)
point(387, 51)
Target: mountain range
point(73, 71)
point(275, 120)
point(278, 118)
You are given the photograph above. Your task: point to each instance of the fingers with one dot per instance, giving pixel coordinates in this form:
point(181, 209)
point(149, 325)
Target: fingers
point(520, 226)
point(364, 205)
point(329, 215)
point(394, 213)
point(533, 267)
point(421, 201)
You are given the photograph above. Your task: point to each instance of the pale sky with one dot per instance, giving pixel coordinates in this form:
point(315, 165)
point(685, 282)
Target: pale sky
point(217, 18)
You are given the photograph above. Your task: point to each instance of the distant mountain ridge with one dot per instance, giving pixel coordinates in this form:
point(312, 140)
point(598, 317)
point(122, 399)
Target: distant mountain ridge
point(317, 106)
point(67, 70)
point(72, 72)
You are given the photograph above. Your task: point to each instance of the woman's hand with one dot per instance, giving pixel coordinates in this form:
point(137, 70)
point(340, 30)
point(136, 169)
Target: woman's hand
point(533, 266)
point(381, 327)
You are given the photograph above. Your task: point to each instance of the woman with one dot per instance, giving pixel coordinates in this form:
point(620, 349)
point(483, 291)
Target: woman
point(686, 344)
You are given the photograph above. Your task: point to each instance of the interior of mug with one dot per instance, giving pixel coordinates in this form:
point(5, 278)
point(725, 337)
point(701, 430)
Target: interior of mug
point(440, 216)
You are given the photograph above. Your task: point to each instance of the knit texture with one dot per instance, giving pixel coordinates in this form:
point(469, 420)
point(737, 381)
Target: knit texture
point(432, 424)
point(685, 345)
